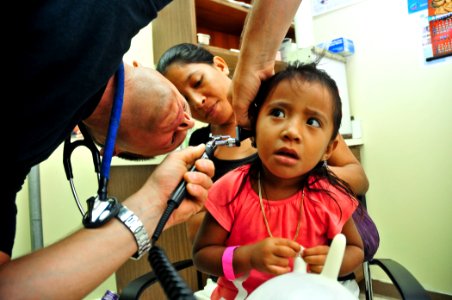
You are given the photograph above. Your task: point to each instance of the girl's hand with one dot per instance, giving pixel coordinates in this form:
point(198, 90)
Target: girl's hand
point(272, 255)
point(315, 258)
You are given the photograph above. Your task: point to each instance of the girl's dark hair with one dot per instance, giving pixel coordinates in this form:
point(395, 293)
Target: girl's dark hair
point(184, 53)
point(307, 72)
point(303, 72)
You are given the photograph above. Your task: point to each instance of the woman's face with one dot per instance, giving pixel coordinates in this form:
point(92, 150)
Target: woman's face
point(206, 88)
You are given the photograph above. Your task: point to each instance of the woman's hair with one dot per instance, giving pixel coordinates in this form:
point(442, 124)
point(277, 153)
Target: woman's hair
point(306, 72)
point(184, 53)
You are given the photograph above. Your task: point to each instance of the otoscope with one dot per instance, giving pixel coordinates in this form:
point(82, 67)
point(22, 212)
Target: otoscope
point(180, 192)
point(171, 282)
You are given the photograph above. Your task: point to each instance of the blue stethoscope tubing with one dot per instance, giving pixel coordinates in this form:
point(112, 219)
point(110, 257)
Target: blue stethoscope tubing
point(110, 206)
point(115, 117)
point(172, 284)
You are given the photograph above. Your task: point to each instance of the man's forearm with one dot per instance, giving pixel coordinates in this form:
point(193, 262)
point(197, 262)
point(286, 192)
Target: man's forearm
point(265, 28)
point(73, 266)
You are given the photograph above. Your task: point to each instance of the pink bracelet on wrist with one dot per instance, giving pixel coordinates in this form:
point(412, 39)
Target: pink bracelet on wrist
point(227, 261)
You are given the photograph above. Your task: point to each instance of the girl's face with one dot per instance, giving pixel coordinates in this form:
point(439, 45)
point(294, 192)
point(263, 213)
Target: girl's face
point(294, 128)
point(206, 88)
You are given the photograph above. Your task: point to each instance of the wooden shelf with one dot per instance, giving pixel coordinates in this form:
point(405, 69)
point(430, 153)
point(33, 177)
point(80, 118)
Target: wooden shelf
point(231, 57)
point(224, 22)
point(220, 16)
point(181, 20)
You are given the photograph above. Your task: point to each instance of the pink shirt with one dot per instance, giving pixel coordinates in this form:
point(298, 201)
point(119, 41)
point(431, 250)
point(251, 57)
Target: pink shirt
point(322, 218)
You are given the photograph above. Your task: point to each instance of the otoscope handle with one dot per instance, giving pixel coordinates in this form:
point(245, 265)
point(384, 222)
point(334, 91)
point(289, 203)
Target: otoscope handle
point(178, 196)
point(180, 192)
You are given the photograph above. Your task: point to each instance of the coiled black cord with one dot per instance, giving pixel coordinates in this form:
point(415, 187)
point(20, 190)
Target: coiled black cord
point(170, 280)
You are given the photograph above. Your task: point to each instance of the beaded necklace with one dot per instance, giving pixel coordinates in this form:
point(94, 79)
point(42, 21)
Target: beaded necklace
point(263, 211)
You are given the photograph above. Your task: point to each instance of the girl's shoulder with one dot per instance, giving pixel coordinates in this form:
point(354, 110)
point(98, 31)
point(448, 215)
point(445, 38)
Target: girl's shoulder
point(228, 187)
point(322, 191)
point(237, 174)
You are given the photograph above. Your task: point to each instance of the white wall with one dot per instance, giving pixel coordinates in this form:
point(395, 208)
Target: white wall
point(406, 112)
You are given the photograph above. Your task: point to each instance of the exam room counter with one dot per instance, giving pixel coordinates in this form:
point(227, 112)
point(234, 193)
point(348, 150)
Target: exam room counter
point(128, 176)
point(354, 145)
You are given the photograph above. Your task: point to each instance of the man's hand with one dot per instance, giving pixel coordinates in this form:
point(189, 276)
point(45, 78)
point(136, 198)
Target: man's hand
point(171, 171)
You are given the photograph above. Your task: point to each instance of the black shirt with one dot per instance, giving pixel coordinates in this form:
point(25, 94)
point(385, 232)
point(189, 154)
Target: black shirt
point(222, 166)
point(59, 67)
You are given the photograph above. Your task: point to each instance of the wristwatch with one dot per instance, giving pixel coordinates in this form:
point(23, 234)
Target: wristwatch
point(133, 223)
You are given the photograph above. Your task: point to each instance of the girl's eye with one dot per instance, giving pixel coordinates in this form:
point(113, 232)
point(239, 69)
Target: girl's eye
point(313, 122)
point(276, 112)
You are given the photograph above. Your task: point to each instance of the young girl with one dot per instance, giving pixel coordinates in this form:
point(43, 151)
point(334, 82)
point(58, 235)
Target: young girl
point(204, 81)
point(260, 215)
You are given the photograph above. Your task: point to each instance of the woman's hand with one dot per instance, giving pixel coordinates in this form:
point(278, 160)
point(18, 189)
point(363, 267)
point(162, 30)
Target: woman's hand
point(265, 27)
point(244, 87)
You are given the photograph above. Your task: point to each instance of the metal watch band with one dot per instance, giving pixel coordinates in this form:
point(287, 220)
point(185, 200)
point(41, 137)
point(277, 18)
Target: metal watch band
point(133, 223)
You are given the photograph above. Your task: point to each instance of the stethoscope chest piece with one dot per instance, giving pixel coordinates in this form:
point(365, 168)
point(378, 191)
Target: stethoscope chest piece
point(100, 211)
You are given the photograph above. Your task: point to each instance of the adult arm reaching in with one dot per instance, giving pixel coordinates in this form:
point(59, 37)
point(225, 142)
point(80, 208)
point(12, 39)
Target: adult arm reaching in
point(77, 264)
point(347, 167)
point(265, 28)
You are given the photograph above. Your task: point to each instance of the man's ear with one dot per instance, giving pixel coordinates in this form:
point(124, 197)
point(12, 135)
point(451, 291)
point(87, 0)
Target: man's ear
point(221, 64)
point(329, 149)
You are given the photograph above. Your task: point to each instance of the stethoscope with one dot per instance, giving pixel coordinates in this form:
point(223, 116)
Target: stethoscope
point(100, 208)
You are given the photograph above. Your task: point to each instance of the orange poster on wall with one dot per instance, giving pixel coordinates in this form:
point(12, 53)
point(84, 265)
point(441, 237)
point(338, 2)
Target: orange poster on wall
point(440, 24)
